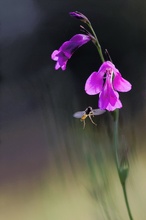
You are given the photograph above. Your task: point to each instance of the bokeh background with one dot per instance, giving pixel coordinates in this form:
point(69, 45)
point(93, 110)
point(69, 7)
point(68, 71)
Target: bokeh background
point(50, 168)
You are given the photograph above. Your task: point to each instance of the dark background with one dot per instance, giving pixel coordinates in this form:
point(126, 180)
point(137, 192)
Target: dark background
point(37, 102)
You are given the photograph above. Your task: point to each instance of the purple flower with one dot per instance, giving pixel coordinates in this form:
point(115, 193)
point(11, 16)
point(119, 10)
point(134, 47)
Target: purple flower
point(79, 16)
point(106, 82)
point(64, 53)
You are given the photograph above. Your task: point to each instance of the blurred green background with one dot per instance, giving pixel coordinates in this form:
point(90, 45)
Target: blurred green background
point(50, 168)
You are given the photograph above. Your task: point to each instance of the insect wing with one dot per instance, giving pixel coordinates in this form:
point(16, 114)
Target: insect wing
point(78, 114)
point(98, 111)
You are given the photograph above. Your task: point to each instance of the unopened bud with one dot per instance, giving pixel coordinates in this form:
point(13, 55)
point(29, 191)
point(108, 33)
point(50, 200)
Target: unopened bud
point(79, 16)
point(123, 171)
point(123, 165)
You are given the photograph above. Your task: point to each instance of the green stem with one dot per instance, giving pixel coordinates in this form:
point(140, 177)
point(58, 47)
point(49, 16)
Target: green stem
point(116, 129)
point(116, 145)
point(97, 43)
point(126, 201)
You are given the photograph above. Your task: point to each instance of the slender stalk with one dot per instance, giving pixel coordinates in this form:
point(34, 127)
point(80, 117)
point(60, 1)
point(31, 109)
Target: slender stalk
point(116, 145)
point(126, 201)
point(116, 129)
point(97, 43)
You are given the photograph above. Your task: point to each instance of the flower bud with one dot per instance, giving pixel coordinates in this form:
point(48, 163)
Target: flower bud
point(123, 171)
point(80, 16)
point(123, 166)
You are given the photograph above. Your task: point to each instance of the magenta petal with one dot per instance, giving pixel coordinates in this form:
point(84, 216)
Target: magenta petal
point(67, 49)
point(109, 98)
point(94, 83)
point(54, 55)
point(107, 65)
point(57, 66)
point(105, 99)
point(104, 104)
point(63, 67)
point(62, 59)
point(80, 39)
point(118, 104)
point(108, 95)
point(120, 84)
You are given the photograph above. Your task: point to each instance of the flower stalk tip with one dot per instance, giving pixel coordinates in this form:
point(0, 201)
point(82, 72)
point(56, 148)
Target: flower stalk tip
point(80, 16)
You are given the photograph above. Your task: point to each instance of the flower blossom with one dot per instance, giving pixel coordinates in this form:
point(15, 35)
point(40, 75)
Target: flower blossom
point(64, 53)
point(106, 82)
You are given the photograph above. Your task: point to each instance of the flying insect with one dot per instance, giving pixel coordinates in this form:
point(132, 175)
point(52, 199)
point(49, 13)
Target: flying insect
point(89, 112)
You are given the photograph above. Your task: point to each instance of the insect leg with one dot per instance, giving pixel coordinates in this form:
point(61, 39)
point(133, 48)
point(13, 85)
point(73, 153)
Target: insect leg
point(84, 123)
point(90, 115)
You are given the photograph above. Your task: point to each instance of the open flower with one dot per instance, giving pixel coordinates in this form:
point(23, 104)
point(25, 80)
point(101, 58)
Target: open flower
point(106, 82)
point(64, 53)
